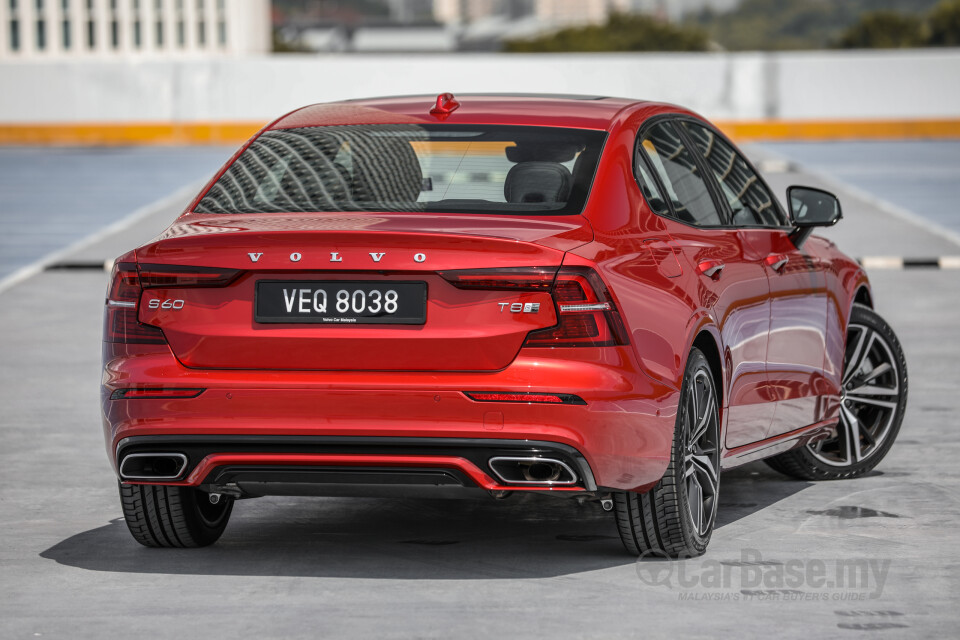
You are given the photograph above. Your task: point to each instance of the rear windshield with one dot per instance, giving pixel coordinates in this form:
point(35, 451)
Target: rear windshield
point(442, 168)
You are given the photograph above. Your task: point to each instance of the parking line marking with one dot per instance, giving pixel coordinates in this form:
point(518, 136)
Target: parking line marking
point(896, 262)
point(950, 262)
point(881, 262)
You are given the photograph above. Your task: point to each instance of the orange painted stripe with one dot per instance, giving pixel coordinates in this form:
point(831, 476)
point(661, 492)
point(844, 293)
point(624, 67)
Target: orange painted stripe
point(747, 130)
point(233, 133)
point(128, 133)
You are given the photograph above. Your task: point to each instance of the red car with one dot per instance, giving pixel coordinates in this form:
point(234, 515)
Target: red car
point(578, 296)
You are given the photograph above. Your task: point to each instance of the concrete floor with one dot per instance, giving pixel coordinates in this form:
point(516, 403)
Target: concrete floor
point(919, 176)
point(906, 227)
point(54, 197)
point(524, 567)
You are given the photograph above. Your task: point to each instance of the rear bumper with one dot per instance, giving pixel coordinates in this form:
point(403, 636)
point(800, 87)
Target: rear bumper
point(260, 465)
point(296, 426)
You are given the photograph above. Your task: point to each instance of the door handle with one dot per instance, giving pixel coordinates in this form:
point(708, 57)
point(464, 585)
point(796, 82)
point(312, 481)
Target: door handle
point(711, 268)
point(776, 261)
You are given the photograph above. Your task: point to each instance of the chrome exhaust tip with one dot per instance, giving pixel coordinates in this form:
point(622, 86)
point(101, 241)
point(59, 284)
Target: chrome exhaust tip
point(153, 466)
point(532, 470)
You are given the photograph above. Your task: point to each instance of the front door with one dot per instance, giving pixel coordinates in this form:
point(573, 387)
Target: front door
point(798, 324)
point(798, 299)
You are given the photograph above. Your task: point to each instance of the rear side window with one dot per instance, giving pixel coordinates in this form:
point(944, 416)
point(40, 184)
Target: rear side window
point(680, 175)
point(442, 168)
point(651, 192)
point(751, 203)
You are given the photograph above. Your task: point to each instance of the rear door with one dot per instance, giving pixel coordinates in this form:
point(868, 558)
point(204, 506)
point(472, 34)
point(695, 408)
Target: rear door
point(798, 307)
point(730, 278)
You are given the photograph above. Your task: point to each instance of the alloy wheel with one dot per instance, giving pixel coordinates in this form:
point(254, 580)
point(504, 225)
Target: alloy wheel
point(868, 403)
point(701, 462)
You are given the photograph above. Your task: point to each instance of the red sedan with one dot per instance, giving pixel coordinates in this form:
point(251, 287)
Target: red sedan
point(580, 296)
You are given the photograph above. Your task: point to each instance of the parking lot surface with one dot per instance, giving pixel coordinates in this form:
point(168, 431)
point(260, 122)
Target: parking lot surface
point(918, 177)
point(789, 559)
point(53, 198)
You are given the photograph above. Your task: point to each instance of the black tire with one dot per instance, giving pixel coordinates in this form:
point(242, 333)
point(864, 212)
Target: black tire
point(871, 410)
point(676, 517)
point(161, 516)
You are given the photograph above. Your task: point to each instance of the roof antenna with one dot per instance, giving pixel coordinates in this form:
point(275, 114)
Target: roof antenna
point(446, 104)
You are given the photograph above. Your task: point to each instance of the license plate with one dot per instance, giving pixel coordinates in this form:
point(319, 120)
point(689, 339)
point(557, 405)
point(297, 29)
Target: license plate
point(341, 302)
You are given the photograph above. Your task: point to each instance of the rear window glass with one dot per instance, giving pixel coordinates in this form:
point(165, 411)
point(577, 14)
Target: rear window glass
point(442, 168)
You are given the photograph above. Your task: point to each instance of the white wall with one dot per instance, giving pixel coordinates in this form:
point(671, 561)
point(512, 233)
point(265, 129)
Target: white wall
point(745, 86)
point(881, 84)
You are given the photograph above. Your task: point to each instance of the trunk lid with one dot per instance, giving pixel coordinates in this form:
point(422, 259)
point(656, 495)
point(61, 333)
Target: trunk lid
point(291, 256)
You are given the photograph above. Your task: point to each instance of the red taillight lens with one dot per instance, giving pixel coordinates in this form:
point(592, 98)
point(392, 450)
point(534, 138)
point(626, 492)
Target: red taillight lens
point(120, 322)
point(587, 316)
point(164, 275)
point(511, 279)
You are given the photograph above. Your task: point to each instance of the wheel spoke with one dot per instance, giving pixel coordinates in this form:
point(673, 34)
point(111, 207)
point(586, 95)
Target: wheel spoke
point(703, 465)
point(695, 401)
point(695, 502)
point(878, 371)
point(691, 420)
point(868, 438)
point(860, 351)
point(851, 433)
point(873, 390)
point(868, 400)
point(704, 423)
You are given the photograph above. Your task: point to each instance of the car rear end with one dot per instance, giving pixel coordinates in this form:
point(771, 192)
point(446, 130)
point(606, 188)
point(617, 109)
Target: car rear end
point(381, 310)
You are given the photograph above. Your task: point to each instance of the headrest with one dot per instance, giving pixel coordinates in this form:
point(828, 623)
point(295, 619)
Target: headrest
point(537, 182)
point(385, 170)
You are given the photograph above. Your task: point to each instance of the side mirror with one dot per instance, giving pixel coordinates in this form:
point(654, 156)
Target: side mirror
point(810, 208)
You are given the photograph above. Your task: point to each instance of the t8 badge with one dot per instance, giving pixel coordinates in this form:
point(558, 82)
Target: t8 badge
point(520, 307)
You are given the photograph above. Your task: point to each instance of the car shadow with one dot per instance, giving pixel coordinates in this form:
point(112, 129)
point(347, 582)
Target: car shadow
point(524, 536)
point(752, 488)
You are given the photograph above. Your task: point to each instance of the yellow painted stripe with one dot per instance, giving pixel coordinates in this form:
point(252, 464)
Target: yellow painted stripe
point(746, 130)
point(159, 133)
point(128, 133)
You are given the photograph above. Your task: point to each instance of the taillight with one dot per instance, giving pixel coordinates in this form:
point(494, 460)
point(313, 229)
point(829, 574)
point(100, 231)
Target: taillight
point(168, 276)
point(127, 283)
point(509, 279)
point(120, 322)
point(586, 314)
